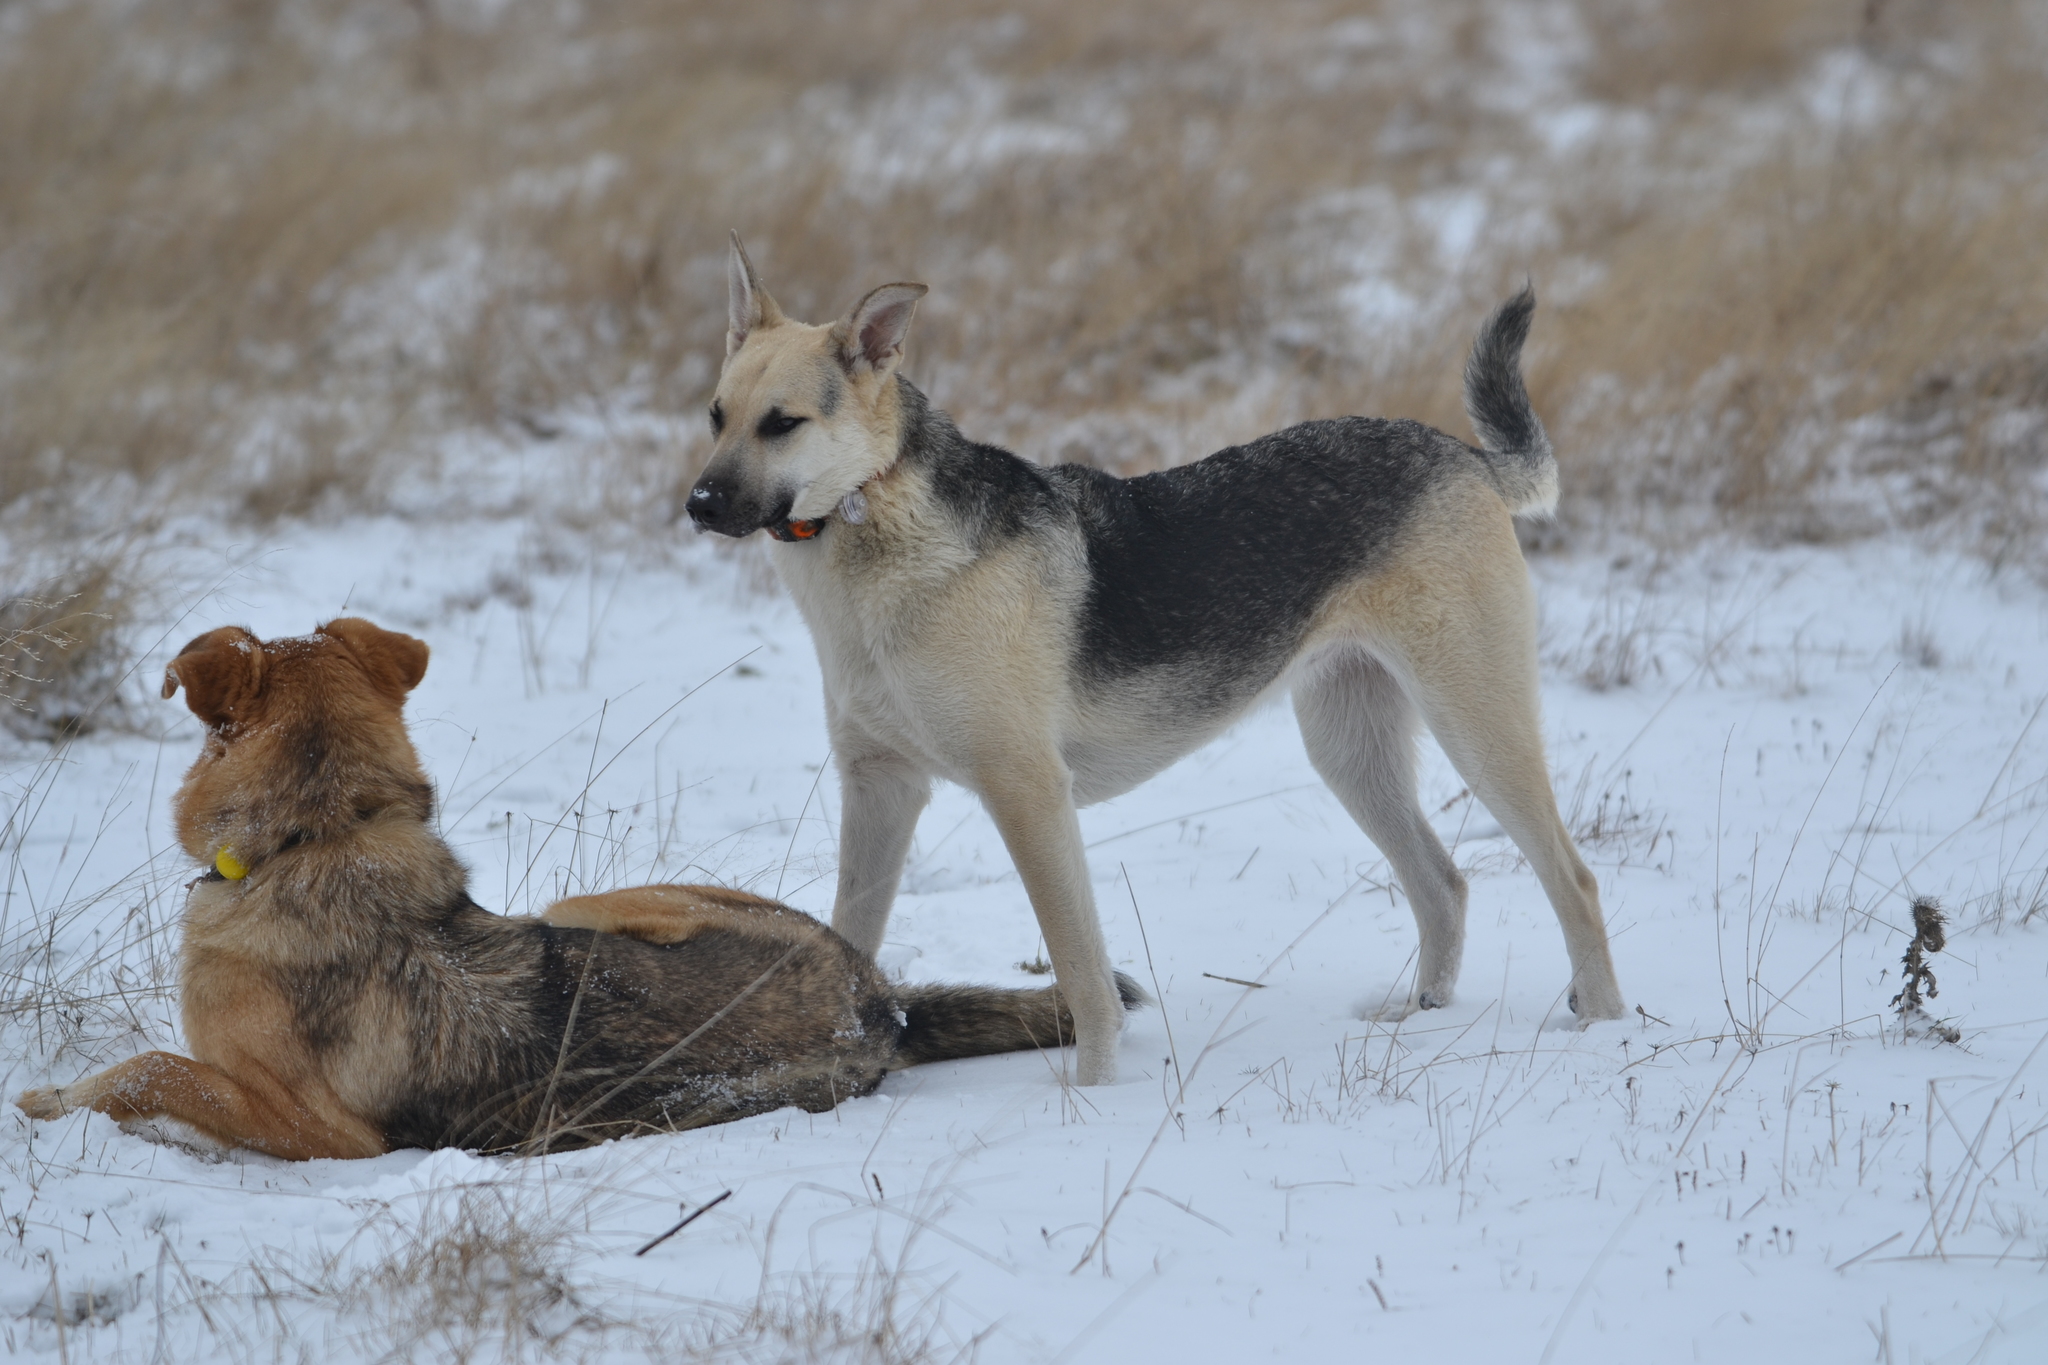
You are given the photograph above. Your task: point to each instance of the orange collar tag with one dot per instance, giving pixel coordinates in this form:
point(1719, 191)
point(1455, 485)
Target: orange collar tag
point(797, 530)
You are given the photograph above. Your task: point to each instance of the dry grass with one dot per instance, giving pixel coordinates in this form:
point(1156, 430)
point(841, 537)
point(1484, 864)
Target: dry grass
point(265, 259)
point(480, 1275)
point(64, 649)
point(496, 1270)
point(1646, 50)
point(488, 1272)
point(1848, 273)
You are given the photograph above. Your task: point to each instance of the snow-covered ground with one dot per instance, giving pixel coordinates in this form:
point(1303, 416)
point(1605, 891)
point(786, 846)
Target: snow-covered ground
point(1765, 755)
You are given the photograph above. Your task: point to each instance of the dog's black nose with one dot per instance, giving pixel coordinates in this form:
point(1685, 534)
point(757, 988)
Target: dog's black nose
point(708, 505)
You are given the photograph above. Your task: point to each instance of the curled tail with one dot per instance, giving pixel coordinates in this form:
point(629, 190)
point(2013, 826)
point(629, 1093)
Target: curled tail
point(1517, 453)
point(943, 1022)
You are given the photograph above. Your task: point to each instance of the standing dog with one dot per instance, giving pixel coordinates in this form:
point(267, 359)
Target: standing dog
point(343, 995)
point(1052, 636)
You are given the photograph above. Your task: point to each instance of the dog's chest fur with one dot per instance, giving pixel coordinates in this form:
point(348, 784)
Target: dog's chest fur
point(918, 628)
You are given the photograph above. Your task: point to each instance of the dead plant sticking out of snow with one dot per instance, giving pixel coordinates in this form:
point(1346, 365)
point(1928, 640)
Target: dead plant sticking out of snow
point(1929, 937)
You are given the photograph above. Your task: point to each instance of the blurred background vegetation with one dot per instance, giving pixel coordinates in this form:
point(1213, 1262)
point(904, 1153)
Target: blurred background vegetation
point(276, 259)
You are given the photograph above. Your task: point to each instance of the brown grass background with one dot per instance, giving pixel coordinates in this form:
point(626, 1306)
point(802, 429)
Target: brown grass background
point(263, 260)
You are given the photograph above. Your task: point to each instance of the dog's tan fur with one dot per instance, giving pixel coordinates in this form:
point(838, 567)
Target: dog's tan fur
point(677, 914)
point(346, 996)
point(949, 651)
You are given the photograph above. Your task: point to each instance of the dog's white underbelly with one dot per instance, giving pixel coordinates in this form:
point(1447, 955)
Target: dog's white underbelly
point(1102, 772)
point(1112, 744)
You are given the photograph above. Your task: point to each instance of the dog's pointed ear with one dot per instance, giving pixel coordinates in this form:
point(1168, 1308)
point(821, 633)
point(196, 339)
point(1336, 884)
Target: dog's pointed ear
point(222, 673)
point(749, 308)
point(395, 662)
point(872, 334)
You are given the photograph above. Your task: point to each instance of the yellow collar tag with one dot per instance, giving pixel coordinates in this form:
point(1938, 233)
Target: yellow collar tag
point(229, 866)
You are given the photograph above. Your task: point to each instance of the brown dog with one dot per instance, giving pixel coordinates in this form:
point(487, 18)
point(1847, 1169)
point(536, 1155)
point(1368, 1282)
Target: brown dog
point(343, 995)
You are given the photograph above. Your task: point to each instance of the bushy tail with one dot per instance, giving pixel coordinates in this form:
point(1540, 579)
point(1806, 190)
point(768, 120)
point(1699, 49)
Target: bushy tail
point(943, 1022)
point(1518, 454)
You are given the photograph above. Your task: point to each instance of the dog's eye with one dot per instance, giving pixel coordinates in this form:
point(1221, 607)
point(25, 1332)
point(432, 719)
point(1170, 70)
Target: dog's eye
point(779, 424)
point(717, 418)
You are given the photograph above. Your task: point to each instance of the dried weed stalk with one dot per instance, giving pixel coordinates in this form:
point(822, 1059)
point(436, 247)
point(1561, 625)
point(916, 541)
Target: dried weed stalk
point(1929, 937)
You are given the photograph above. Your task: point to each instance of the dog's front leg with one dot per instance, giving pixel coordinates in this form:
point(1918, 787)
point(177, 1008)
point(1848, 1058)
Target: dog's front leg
point(163, 1084)
point(881, 796)
point(1032, 803)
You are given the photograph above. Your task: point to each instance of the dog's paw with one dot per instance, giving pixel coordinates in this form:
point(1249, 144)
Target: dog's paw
point(1592, 1006)
point(1394, 1011)
point(1387, 1011)
point(43, 1102)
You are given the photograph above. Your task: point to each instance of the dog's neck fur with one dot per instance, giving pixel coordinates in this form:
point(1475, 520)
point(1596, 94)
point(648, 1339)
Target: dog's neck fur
point(925, 436)
point(341, 841)
point(337, 879)
point(933, 459)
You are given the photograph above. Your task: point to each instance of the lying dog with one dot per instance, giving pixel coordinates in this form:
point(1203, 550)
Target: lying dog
point(1052, 636)
point(343, 995)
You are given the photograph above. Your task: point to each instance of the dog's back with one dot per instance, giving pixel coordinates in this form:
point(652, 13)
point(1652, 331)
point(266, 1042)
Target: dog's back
point(1212, 572)
point(610, 1035)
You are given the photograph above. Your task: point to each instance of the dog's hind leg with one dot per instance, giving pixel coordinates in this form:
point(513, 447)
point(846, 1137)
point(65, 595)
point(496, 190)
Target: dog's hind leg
point(1359, 728)
point(1463, 643)
point(1030, 797)
point(881, 796)
point(163, 1084)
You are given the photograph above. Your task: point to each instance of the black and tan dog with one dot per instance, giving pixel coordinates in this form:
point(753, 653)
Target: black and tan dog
point(1048, 636)
point(343, 995)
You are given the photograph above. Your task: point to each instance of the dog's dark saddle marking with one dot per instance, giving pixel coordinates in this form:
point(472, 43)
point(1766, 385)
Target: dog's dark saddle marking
point(1211, 572)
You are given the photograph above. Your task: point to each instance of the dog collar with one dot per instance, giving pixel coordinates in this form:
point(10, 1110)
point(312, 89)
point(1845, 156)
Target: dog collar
point(853, 508)
point(228, 867)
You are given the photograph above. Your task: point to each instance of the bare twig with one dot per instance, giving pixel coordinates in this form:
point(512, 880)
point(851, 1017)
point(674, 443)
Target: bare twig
point(687, 1220)
point(1236, 981)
